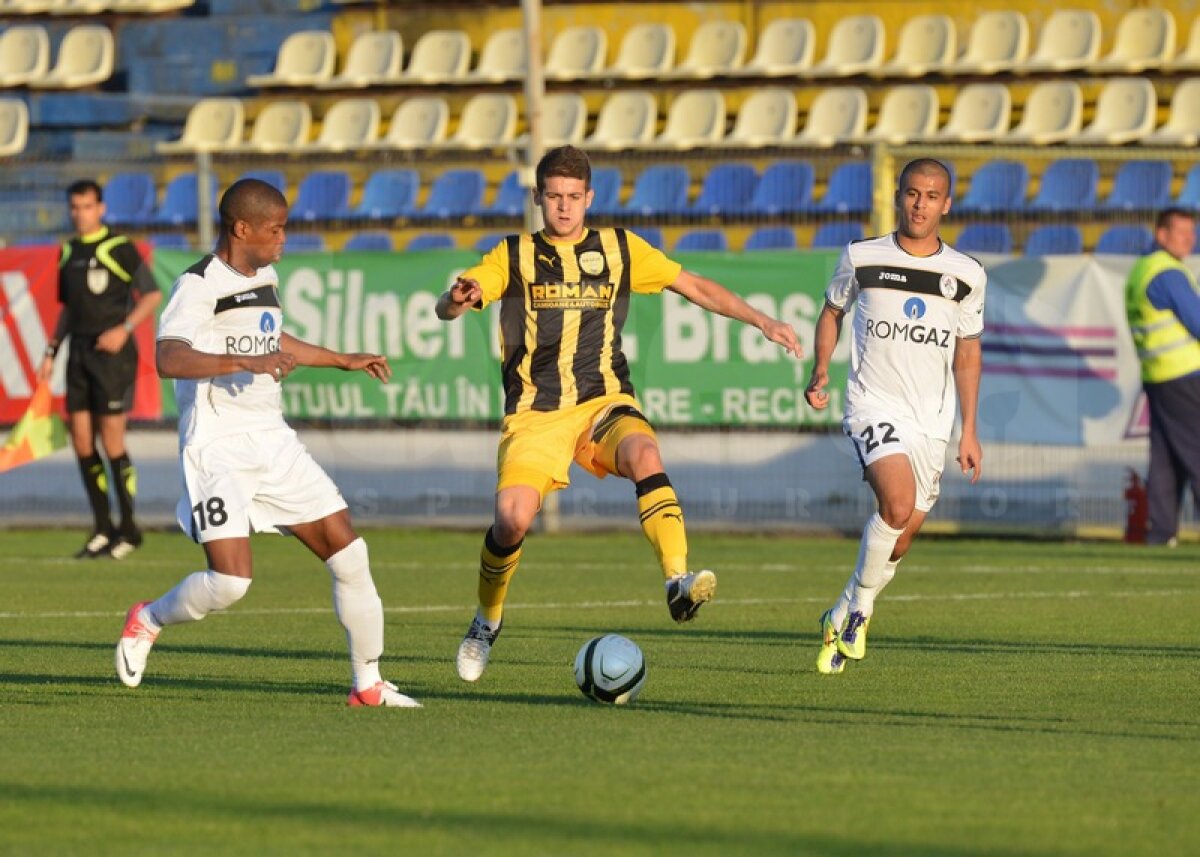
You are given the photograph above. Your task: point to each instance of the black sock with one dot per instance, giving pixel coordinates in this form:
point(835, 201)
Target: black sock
point(95, 482)
point(125, 481)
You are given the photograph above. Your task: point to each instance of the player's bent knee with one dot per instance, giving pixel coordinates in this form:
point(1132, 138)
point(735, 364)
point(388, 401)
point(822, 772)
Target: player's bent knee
point(225, 589)
point(896, 515)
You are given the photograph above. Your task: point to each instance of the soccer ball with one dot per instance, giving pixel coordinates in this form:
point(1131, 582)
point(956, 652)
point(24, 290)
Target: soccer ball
point(610, 669)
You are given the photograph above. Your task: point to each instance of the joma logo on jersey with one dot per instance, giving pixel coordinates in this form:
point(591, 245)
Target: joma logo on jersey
point(570, 296)
point(893, 277)
point(916, 333)
point(251, 344)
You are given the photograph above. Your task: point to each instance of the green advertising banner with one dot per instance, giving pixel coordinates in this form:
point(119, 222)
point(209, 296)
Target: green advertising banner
point(690, 367)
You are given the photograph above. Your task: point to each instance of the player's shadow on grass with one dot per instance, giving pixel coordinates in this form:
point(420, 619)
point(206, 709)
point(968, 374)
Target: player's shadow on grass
point(723, 711)
point(957, 645)
point(222, 651)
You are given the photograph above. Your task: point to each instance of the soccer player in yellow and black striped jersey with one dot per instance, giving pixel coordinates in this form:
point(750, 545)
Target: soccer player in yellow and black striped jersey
point(564, 295)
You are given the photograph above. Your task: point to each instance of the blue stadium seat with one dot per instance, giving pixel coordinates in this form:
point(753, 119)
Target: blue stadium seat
point(652, 235)
point(1189, 194)
point(606, 184)
point(305, 242)
point(708, 240)
point(431, 241)
point(1068, 185)
point(836, 235)
point(455, 193)
point(659, 189)
point(985, 238)
point(369, 241)
point(772, 238)
point(785, 186)
point(727, 189)
point(170, 241)
point(129, 198)
point(489, 241)
point(510, 197)
point(274, 178)
point(997, 186)
point(180, 200)
point(1054, 239)
point(1141, 186)
point(322, 195)
point(1125, 239)
point(849, 190)
point(387, 194)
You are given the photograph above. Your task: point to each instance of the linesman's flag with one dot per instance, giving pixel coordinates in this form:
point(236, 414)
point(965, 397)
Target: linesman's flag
point(39, 432)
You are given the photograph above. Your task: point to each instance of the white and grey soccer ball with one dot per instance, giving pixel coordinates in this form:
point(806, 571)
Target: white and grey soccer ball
point(610, 669)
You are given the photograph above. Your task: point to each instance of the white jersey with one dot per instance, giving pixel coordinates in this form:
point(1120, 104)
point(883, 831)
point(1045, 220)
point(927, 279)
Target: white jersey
point(215, 309)
point(911, 310)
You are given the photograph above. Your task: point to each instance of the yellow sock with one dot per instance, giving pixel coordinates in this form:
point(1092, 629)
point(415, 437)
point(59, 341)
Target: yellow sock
point(662, 522)
point(496, 567)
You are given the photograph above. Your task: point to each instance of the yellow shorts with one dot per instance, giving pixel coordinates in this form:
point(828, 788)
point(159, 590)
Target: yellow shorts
point(537, 447)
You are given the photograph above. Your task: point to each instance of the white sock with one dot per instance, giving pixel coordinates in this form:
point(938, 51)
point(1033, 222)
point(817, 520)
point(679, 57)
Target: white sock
point(874, 556)
point(492, 627)
point(359, 610)
point(194, 597)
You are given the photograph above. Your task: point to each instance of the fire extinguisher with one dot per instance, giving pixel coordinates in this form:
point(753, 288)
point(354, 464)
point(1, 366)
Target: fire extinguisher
point(1137, 509)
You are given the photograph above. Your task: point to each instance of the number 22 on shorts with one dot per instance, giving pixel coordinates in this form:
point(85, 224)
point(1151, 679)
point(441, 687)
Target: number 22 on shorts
point(873, 436)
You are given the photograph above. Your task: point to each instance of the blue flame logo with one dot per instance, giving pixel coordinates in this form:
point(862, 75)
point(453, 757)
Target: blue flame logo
point(914, 308)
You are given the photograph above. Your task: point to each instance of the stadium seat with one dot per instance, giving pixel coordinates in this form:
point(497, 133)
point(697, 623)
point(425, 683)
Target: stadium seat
point(212, 124)
point(1126, 110)
point(786, 47)
point(488, 119)
point(1069, 40)
point(77, 7)
point(984, 238)
point(727, 190)
point(322, 195)
point(1140, 186)
point(150, 7)
point(652, 235)
point(304, 242)
point(510, 197)
point(387, 193)
point(1057, 239)
point(272, 177)
point(374, 59)
point(695, 118)
point(1053, 113)
point(606, 187)
point(24, 54)
point(170, 241)
point(438, 56)
point(306, 58)
point(181, 203)
point(907, 113)
point(577, 52)
point(375, 241)
point(431, 241)
point(998, 186)
point(417, 123)
point(1182, 127)
point(129, 198)
point(659, 189)
point(837, 115)
point(999, 42)
point(836, 235)
point(486, 243)
point(455, 193)
point(716, 48)
point(848, 190)
point(771, 238)
point(564, 120)
point(14, 126)
point(981, 113)
point(282, 126)
point(1187, 59)
point(627, 120)
point(1189, 194)
point(702, 240)
point(1068, 185)
point(1145, 39)
point(1125, 240)
point(86, 57)
point(646, 51)
point(766, 118)
point(502, 58)
point(350, 124)
point(926, 45)
point(785, 187)
point(855, 47)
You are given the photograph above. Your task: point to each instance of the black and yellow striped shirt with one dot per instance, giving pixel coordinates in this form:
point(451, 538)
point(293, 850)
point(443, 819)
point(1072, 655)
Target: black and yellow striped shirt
point(562, 307)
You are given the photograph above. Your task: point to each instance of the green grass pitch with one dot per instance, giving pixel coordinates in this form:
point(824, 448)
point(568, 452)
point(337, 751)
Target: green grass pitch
point(1037, 699)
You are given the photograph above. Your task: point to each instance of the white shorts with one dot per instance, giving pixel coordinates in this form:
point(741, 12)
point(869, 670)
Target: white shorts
point(264, 480)
point(878, 437)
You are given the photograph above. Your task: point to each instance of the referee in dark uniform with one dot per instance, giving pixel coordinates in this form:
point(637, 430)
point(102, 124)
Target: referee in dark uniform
point(106, 291)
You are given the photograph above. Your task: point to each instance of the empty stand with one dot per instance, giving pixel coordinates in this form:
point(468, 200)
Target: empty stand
point(1055, 239)
point(716, 48)
point(1125, 240)
point(305, 242)
point(306, 58)
point(985, 238)
point(771, 238)
point(181, 200)
point(848, 190)
point(488, 119)
point(606, 190)
point(831, 236)
point(375, 58)
point(1182, 127)
point(1140, 186)
point(696, 117)
point(1053, 113)
point(150, 7)
point(417, 123)
point(646, 51)
point(431, 241)
point(1068, 185)
point(486, 243)
point(350, 124)
point(907, 113)
point(372, 241)
point(455, 193)
point(785, 187)
point(564, 120)
point(1069, 40)
point(1189, 194)
point(129, 198)
point(1145, 39)
point(86, 57)
point(981, 112)
point(439, 56)
point(702, 240)
point(786, 46)
point(659, 189)
point(24, 55)
point(171, 241)
point(1125, 112)
point(855, 47)
point(727, 190)
point(272, 177)
point(1187, 59)
point(998, 186)
point(502, 58)
point(837, 115)
point(577, 52)
point(212, 124)
point(510, 197)
point(927, 44)
point(652, 235)
point(999, 42)
point(322, 195)
point(387, 194)
point(626, 120)
point(14, 126)
point(283, 126)
point(766, 118)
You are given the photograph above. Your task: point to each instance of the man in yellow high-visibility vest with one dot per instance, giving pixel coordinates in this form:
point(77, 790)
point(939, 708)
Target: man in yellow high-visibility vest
point(1162, 302)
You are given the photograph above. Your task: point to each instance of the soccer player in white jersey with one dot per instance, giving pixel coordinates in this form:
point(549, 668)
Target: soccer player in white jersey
point(915, 344)
point(221, 338)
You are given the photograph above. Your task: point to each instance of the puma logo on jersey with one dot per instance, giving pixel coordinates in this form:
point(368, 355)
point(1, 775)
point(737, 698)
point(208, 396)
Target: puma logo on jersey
point(547, 260)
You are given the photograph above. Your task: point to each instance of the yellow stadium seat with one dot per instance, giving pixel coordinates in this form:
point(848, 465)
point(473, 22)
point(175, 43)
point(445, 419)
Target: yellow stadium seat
point(855, 47)
point(999, 42)
point(213, 125)
point(786, 46)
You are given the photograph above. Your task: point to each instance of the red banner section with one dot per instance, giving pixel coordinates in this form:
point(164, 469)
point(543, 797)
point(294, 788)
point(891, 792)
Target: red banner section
point(28, 312)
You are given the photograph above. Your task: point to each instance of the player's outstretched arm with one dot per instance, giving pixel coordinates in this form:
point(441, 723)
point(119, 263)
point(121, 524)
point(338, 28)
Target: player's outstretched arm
point(459, 298)
point(175, 358)
point(712, 296)
point(307, 354)
point(968, 366)
point(829, 328)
